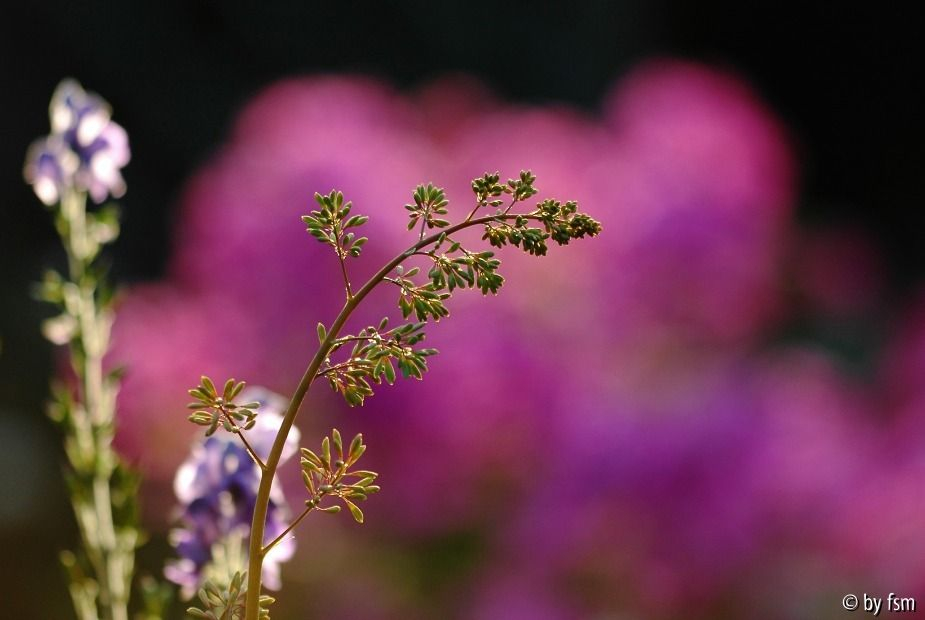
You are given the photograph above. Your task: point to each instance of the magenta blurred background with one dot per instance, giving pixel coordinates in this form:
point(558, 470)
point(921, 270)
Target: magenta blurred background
point(712, 411)
point(621, 433)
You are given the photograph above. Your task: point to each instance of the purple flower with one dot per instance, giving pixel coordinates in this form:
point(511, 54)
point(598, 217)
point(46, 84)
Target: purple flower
point(50, 165)
point(217, 488)
point(667, 512)
point(85, 151)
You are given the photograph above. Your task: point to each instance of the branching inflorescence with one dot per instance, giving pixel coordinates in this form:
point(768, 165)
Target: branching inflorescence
point(352, 364)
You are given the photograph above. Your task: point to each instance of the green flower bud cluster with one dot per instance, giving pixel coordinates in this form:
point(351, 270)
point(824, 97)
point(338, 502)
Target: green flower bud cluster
point(228, 602)
point(329, 474)
point(213, 409)
point(375, 353)
point(428, 202)
point(329, 225)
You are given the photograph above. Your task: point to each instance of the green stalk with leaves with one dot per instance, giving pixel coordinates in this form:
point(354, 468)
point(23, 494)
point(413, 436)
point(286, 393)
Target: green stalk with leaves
point(101, 488)
point(353, 363)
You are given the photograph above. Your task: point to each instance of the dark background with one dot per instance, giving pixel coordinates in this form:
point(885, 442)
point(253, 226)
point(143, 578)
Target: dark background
point(847, 82)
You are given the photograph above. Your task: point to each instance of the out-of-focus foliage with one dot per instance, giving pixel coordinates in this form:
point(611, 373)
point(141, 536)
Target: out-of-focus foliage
point(227, 603)
point(82, 157)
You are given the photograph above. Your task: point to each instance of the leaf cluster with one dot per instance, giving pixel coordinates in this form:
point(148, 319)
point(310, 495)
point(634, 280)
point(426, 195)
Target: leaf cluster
point(466, 270)
point(329, 474)
point(488, 186)
point(329, 224)
point(448, 272)
point(522, 187)
point(375, 353)
point(563, 222)
point(424, 301)
point(429, 201)
point(70, 414)
point(214, 409)
point(83, 331)
point(228, 602)
point(530, 240)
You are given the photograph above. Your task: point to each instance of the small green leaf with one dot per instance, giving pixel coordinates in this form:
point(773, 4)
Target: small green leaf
point(209, 386)
point(311, 456)
point(326, 452)
point(228, 389)
point(356, 449)
point(354, 510)
point(338, 445)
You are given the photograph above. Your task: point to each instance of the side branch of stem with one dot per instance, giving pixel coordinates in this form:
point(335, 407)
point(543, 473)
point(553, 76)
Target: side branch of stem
point(266, 549)
point(247, 446)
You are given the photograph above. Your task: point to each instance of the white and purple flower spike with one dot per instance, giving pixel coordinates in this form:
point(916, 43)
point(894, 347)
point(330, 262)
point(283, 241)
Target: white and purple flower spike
point(86, 150)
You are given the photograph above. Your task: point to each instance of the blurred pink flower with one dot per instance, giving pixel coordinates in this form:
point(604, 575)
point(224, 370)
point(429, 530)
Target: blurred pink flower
point(636, 449)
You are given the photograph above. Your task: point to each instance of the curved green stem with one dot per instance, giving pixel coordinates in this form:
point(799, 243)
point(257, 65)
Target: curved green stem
point(256, 548)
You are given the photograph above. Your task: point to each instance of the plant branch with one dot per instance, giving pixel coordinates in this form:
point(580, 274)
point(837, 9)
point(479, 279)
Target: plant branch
point(266, 549)
point(472, 213)
point(343, 270)
point(342, 257)
point(240, 433)
point(334, 368)
point(256, 553)
point(423, 223)
point(345, 339)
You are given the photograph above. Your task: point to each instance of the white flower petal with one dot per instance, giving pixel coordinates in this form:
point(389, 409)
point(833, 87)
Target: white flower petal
point(46, 190)
point(91, 125)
